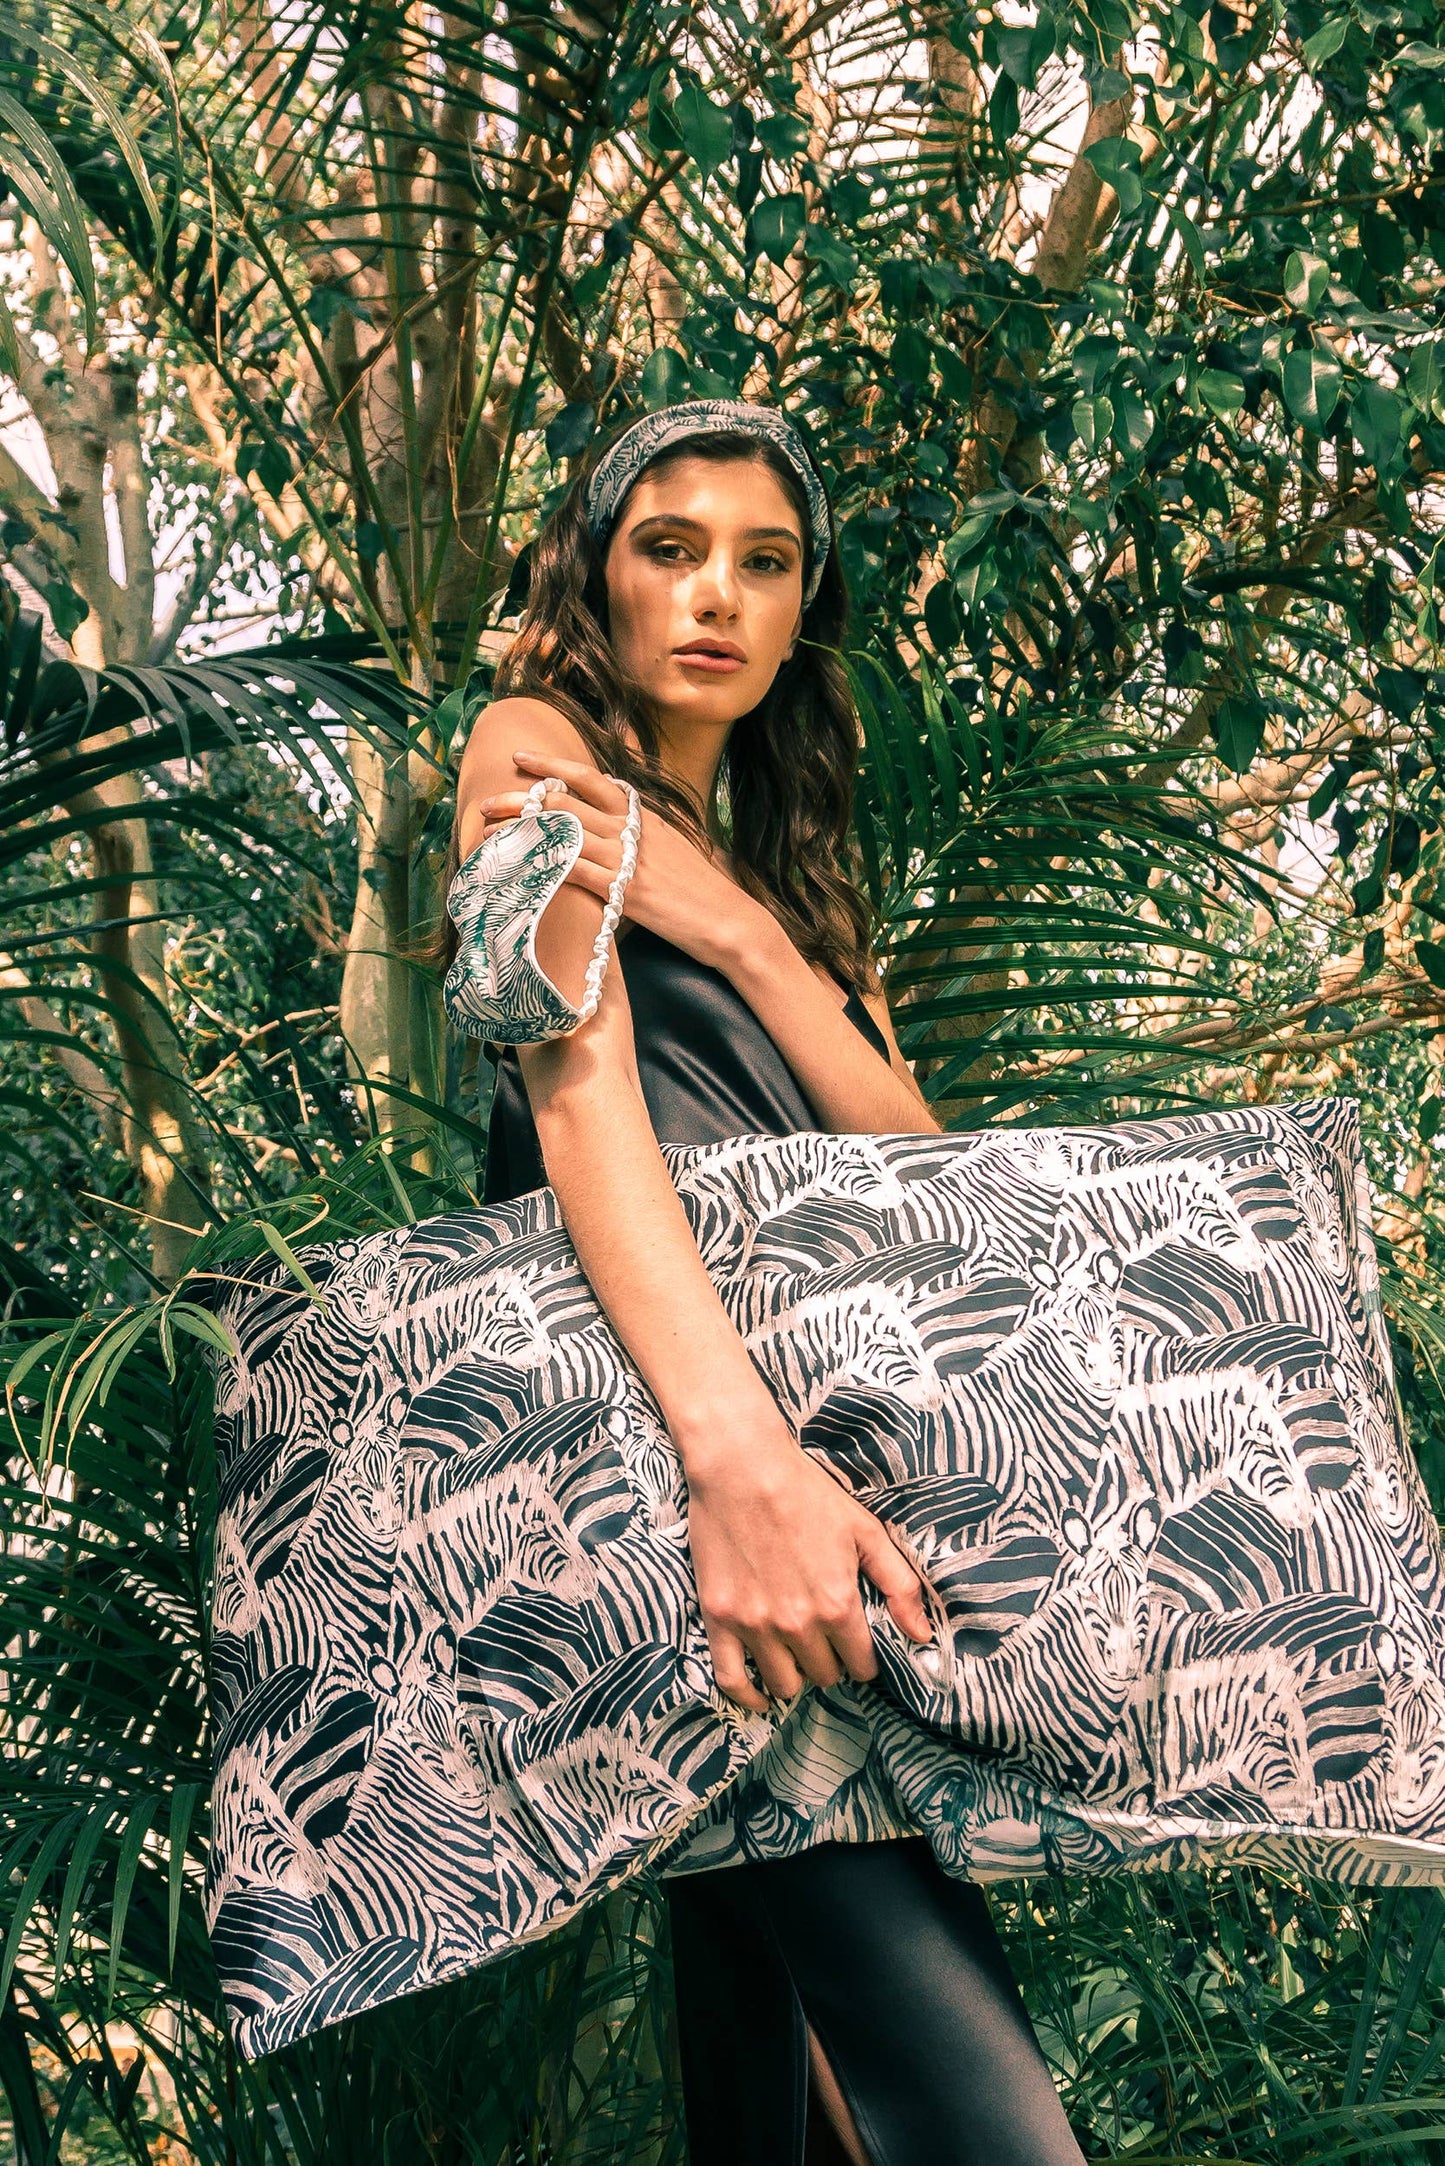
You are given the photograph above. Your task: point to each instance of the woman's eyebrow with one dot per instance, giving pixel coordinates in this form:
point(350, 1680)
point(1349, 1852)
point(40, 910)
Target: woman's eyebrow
point(752, 533)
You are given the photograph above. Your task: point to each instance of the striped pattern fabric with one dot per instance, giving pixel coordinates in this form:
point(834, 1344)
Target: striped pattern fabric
point(1124, 1396)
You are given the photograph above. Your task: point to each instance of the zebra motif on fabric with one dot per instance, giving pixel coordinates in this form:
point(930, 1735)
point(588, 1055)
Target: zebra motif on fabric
point(1122, 1394)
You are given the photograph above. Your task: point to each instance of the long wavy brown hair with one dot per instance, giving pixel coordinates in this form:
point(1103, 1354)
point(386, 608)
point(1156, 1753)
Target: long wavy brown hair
point(785, 781)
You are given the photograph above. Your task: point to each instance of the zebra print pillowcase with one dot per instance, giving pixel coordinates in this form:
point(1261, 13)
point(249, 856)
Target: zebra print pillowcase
point(1124, 1396)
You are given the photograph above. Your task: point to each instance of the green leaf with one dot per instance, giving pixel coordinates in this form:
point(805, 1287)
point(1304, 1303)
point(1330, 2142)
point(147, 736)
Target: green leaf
point(965, 538)
point(1092, 516)
point(1093, 420)
point(1193, 240)
point(82, 1857)
point(1400, 691)
point(568, 434)
point(836, 258)
point(325, 304)
point(1221, 392)
point(36, 170)
point(47, 1857)
point(1117, 160)
point(664, 380)
point(1311, 381)
point(784, 136)
point(1378, 417)
point(776, 227)
point(941, 615)
point(954, 374)
point(1425, 377)
point(991, 503)
point(268, 459)
point(1305, 278)
point(910, 357)
point(975, 581)
point(1003, 110)
point(1430, 955)
point(10, 357)
point(1023, 48)
point(663, 132)
point(1093, 359)
point(706, 129)
point(1133, 423)
point(1324, 43)
point(370, 540)
point(1239, 731)
point(195, 1323)
point(68, 610)
point(281, 1247)
point(127, 1865)
point(184, 1800)
point(140, 161)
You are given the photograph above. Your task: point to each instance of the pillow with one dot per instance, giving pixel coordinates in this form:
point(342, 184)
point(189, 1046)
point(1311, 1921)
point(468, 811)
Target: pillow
point(1122, 1393)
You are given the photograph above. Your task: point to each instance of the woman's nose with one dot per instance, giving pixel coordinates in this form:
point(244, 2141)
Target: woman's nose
point(716, 587)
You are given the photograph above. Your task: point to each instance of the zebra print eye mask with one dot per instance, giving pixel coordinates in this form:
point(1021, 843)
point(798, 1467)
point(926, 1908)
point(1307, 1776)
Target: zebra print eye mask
point(621, 465)
point(496, 988)
point(1123, 1394)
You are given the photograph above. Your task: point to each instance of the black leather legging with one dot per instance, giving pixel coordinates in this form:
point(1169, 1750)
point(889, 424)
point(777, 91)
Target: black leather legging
point(899, 1970)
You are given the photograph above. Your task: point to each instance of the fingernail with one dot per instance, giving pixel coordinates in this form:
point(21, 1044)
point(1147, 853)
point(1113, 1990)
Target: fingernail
point(524, 755)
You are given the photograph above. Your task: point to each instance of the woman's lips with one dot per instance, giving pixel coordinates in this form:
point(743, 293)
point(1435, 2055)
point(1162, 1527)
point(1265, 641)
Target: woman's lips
point(722, 665)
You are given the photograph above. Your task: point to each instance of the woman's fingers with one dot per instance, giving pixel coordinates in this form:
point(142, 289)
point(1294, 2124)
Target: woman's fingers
point(506, 804)
point(729, 1666)
point(783, 1666)
point(594, 878)
point(587, 781)
point(597, 831)
point(818, 1653)
point(852, 1641)
point(891, 1572)
point(779, 1672)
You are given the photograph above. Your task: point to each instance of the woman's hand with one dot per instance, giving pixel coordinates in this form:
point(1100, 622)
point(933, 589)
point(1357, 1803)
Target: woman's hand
point(777, 1543)
point(676, 891)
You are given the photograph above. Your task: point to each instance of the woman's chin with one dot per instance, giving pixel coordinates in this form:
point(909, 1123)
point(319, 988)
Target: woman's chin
point(721, 700)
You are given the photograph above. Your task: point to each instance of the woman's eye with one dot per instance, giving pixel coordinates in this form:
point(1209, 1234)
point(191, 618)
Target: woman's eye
point(770, 561)
point(660, 549)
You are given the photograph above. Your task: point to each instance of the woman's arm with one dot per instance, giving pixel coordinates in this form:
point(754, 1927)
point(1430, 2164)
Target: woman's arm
point(848, 1083)
point(683, 895)
point(568, 926)
point(776, 1541)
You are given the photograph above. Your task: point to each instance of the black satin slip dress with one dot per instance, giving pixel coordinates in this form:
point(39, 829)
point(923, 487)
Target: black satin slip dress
point(896, 1966)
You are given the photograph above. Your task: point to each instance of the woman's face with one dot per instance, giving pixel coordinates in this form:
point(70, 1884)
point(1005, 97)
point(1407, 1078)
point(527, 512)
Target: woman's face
point(704, 578)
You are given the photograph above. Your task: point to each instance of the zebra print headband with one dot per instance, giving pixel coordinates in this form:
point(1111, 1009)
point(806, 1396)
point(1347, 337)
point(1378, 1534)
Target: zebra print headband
point(637, 447)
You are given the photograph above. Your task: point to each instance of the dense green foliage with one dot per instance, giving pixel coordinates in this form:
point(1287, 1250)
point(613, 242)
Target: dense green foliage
point(1117, 328)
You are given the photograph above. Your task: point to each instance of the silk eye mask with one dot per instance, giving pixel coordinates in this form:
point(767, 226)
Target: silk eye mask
point(496, 988)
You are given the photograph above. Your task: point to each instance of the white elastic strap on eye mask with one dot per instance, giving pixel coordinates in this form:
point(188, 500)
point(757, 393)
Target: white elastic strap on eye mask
point(496, 988)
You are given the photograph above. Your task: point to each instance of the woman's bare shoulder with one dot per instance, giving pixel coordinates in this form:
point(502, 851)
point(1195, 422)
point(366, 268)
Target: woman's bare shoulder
point(487, 768)
point(505, 726)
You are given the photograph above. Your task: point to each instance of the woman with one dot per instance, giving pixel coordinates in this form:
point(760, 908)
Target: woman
point(685, 609)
